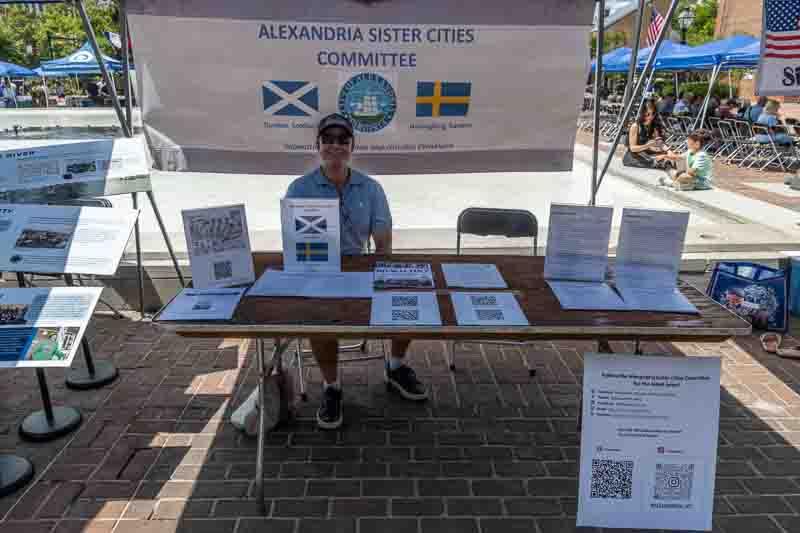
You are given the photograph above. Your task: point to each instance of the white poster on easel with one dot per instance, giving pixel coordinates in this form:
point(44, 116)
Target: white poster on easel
point(219, 246)
point(310, 229)
point(52, 239)
point(649, 442)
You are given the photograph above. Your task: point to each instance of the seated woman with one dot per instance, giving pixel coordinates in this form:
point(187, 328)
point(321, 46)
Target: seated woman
point(645, 140)
point(699, 166)
point(769, 118)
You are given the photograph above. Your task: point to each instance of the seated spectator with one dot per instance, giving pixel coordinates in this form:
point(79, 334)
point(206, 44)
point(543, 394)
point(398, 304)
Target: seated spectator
point(683, 105)
point(698, 174)
point(645, 140)
point(696, 105)
point(770, 119)
point(666, 105)
point(755, 111)
point(726, 110)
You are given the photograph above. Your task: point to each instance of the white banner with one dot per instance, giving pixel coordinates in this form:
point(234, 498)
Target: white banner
point(446, 86)
point(779, 69)
point(649, 442)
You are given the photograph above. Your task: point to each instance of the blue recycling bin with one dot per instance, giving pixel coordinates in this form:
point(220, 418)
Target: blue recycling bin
point(794, 287)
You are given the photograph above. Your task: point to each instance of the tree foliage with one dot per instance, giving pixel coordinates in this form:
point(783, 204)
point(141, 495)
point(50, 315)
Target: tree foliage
point(611, 40)
point(59, 26)
point(705, 19)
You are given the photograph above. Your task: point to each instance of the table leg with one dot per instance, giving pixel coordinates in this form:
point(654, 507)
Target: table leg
point(264, 370)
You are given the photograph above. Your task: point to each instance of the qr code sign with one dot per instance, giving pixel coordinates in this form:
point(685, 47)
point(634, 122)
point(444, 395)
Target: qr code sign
point(223, 270)
point(673, 482)
point(612, 479)
point(405, 301)
point(483, 301)
point(405, 315)
point(489, 314)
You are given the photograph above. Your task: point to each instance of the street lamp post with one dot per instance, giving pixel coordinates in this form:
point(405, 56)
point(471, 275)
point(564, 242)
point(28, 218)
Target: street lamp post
point(685, 21)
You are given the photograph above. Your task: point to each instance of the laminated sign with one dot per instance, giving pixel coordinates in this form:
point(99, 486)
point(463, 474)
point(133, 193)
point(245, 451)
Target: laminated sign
point(779, 70)
point(430, 87)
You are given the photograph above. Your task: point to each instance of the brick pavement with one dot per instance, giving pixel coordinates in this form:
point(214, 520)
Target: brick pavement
point(493, 451)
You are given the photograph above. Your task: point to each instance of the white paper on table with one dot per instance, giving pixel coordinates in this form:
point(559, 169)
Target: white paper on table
point(473, 276)
point(313, 284)
point(586, 296)
point(487, 309)
point(203, 304)
point(311, 240)
point(405, 309)
point(391, 274)
point(577, 242)
point(63, 239)
point(650, 247)
point(218, 243)
point(658, 299)
point(649, 442)
point(42, 327)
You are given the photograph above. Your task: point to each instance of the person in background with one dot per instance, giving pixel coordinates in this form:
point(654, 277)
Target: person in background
point(10, 94)
point(645, 139)
point(696, 105)
point(698, 174)
point(666, 104)
point(727, 110)
point(769, 118)
point(755, 111)
point(364, 213)
point(60, 90)
point(683, 105)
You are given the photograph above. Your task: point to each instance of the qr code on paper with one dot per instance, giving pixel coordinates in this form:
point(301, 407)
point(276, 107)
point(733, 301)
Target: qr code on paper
point(489, 314)
point(223, 270)
point(405, 301)
point(483, 301)
point(673, 482)
point(405, 315)
point(612, 479)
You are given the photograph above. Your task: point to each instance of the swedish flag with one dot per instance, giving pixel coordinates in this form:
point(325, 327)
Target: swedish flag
point(312, 251)
point(443, 98)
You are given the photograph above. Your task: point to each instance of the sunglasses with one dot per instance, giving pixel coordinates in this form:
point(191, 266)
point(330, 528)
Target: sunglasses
point(335, 139)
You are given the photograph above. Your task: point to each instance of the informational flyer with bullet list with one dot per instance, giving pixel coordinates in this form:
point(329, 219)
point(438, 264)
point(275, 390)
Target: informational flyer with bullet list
point(649, 442)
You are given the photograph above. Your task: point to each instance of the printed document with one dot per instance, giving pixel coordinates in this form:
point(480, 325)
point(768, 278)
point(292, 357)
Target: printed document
point(219, 246)
point(487, 309)
point(648, 442)
point(648, 260)
point(577, 243)
point(63, 239)
point(405, 309)
point(43, 327)
point(403, 275)
point(313, 284)
point(310, 229)
point(203, 304)
point(586, 296)
point(473, 276)
point(72, 162)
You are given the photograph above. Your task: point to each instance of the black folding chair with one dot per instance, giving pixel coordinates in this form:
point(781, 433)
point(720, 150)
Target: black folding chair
point(485, 222)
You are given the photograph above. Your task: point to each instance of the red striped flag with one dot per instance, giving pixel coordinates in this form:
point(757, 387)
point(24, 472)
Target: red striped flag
point(782, 35)
point(656, 23)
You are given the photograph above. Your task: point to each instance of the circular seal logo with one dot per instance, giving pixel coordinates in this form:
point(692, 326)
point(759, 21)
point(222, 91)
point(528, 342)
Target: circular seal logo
point(369, 101)
point(81, 57)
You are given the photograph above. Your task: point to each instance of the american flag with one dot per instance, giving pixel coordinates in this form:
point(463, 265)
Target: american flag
point(782, 35)
point(656, 23)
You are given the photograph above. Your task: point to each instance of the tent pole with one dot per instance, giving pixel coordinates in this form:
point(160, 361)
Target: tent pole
point(634, 52)
point(598, 76)
point(126, 65)
point(87, 26)
point(701, 119)
point(46, 96)
point(628, 108)
point(730, 85)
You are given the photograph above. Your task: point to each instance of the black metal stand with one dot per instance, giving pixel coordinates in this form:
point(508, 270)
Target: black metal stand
point(51, 422)
point(15, 473)
point(97, 373)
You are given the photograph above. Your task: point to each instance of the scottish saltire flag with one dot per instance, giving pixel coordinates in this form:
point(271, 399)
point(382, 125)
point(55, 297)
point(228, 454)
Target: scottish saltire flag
point(290, 98)
point(443, 98)
point(779, 70)
point(312, 251)
point(310, 224)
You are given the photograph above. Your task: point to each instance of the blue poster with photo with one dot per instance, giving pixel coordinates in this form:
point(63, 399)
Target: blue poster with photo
point(756, 293)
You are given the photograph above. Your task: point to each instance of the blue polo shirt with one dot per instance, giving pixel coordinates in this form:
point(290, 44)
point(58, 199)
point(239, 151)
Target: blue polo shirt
point(363, 208)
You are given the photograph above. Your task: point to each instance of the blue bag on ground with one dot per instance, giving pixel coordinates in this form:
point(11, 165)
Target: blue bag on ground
point(757, 293)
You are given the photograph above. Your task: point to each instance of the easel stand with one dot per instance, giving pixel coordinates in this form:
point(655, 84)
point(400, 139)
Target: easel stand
point(97, 373)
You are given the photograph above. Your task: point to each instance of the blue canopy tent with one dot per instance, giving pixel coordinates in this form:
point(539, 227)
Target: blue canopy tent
point(82, 61)
point(706, 56)
point(613, 57)
point(10, 69)
point(746, 57)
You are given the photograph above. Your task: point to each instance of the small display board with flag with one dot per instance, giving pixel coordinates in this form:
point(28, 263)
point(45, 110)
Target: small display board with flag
point(779, 70)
